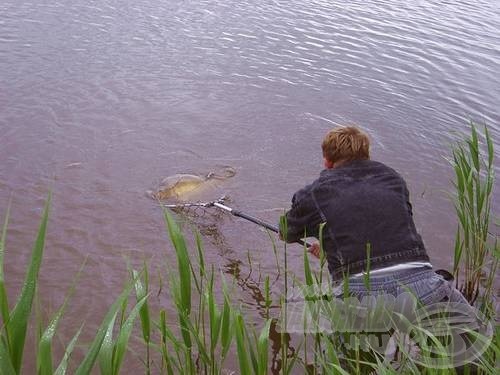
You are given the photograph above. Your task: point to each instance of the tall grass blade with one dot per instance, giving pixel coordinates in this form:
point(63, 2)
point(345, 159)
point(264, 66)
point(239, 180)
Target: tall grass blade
point(226, 325)
point(243, 359)
point(44, 356)
point(215, 322)
point(167, 334)
point(474, 148)
point(489, 144)
point(204, 355)
point(307, 269)
point(473, 204)
point(263, 348)
point(322, 256)
point(168, 360)
point(184, 266)
point(290, 365)
point(4, 304)
point(201, 259)
point(61, 369)
point(124, 335)
point(252, 348)
point(6, 366)
point(267, 296)
point(18, 322)
point(366, 276)
point(329, 360)
point(106, 350)
point(213, 314)
point(91, 356)
point(141, 291)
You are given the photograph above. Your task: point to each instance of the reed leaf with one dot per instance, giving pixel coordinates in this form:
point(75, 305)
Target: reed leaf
point(202, 350)
point(366, 276)
point(44, 355)
point(88, 362)
point(226, 326)
point(241, 347)
point(290, 365)
point(275, 251)
point(267, 295)
point(489, 144)
point(322, 256)
point(183, 289)
point(213, 314)
point(263, 348)
point(141, 291)
point(329, 360)
point(472, 204)
point(18, 322)
point(4, 304)
point(457, 253)
point(307, 269)
point(166, 336)
point(184, 264)
point(6, 366)
point(122, 339)
point(201, 259)
point(63, 365)
point(106, 350)
point(252, 348)
point(182, 359)
point(215, 322)
point(474, 148)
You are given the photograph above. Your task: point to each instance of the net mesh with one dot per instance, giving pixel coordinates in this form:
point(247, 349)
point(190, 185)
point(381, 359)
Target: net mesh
point(205, 217)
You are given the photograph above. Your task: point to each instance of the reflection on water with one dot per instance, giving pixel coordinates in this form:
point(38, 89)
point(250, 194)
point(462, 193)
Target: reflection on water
point(100, 100)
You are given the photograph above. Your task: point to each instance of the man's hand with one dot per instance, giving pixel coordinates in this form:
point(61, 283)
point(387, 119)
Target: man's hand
point(314, 249)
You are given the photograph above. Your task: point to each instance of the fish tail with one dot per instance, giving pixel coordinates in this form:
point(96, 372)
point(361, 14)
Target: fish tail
point(224, 173)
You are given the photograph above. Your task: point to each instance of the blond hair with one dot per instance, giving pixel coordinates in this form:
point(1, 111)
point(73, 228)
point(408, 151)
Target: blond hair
point(345, 144)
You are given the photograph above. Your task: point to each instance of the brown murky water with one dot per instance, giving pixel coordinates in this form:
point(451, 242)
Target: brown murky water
point(100, 100)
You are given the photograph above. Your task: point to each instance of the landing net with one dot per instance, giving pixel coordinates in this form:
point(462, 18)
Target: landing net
point(204, 216)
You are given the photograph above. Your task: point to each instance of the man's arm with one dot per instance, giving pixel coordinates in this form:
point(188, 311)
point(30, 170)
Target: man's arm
point(302, 219)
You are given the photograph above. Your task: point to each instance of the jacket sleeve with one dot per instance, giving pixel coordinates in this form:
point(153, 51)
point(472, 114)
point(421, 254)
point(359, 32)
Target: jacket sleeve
point(303, 218)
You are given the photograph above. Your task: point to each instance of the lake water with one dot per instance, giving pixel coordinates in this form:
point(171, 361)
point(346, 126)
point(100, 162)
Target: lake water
point(100, 100)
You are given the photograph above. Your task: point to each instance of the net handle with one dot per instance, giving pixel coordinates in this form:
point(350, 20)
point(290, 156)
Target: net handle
point(255, 220)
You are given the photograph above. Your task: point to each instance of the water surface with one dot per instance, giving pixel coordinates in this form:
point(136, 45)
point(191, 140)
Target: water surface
point(99, 100)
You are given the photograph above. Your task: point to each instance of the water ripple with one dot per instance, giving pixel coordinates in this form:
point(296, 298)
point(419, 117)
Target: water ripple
point(98, 96)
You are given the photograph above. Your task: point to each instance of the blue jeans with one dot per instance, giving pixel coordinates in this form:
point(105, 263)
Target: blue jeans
point(426, 285)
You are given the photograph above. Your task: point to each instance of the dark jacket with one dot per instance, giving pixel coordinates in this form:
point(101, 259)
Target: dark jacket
point(362, 202)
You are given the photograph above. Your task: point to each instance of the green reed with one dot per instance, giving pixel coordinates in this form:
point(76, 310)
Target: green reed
point(477, 250)
point(141, 292)
point(44, 355)
point(207, 337)
point(15, 322)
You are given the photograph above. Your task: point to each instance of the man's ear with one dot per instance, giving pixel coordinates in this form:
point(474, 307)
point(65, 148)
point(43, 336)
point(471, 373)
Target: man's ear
point(328, 164)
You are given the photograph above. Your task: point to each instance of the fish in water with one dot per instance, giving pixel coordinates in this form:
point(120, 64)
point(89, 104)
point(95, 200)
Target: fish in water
point(178, 185)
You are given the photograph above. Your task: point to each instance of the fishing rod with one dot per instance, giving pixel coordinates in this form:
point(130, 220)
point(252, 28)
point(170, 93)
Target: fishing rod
point(219, 204)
